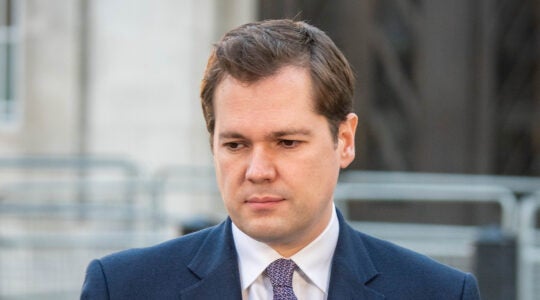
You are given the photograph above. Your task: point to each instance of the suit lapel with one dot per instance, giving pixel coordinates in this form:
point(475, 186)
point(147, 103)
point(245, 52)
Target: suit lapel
point(352, 267)
point(215, 264)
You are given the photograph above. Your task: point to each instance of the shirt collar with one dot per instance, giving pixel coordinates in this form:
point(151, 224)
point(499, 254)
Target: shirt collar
point(253, 256)
point(314, 260)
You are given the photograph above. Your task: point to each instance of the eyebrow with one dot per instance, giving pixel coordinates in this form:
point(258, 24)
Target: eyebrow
point(230, 135)
point(288, 132)
point(273, 135)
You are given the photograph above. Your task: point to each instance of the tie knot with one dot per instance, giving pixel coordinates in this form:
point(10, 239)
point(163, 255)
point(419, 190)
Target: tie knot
point(281, 272)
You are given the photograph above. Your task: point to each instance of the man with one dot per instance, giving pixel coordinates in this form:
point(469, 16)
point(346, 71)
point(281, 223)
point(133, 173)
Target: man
point(277, 99)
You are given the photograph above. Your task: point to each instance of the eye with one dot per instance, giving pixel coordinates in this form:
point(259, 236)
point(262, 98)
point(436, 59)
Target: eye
point(289, 143)
point(234, 146)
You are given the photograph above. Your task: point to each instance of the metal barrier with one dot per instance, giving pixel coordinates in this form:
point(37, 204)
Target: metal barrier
point(66, 180)
point(188, 194)
point(450, 244)
point(50, 265)
point(57, 213)
point(76, 163)
point(529, 248)
point(519, 185)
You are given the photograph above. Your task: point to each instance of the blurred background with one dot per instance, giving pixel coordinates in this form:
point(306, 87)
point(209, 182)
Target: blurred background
point(103, 145)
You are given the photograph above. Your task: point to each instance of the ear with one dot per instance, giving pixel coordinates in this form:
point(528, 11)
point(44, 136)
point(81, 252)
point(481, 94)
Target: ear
point(347, 130)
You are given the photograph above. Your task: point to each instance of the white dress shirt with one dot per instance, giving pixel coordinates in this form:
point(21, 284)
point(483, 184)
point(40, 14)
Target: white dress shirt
point(310, 280)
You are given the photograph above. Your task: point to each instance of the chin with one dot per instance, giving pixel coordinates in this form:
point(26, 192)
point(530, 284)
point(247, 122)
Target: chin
point(264, 232)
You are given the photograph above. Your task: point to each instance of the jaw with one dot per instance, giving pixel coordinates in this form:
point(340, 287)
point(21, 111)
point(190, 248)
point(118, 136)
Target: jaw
point(286, 233)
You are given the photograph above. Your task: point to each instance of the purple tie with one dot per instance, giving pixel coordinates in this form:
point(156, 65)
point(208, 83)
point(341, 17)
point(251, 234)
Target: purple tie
point(280, 273)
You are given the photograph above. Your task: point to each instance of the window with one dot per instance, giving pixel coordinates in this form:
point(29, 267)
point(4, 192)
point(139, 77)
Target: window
point(8, 53)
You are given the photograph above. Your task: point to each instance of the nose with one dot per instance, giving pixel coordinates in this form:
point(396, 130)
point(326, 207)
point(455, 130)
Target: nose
point(260, 167)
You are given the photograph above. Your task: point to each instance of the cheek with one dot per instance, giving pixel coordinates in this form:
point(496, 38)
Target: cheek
point(221, 173)
point(316, 171)
point(228, 173)
point(328, 169)
point(323, 161)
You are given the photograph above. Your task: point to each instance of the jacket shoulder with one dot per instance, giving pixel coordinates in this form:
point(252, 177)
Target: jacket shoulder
point(156, 272)
point(413, 274)
point(181, 249)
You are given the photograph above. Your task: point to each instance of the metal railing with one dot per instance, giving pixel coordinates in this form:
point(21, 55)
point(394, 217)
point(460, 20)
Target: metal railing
point(28, 180)
point(187, 193)
point(519, 185)
point(48, 235)
point(450, 244)
point(529, 248)
point(58, 213)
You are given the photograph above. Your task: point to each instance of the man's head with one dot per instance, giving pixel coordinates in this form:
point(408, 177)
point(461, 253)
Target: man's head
point(258, 50)
point(277, 100)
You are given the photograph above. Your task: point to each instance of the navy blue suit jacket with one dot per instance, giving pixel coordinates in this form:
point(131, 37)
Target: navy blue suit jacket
point(203, 265)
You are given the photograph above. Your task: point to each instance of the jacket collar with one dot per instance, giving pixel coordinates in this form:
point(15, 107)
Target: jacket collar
point(352, 267)
point(216, 265)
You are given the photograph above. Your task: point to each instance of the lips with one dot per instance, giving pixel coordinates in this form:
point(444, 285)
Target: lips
point(265, 202)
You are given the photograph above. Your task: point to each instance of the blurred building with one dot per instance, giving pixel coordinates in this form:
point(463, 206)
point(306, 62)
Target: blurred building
point(113, 78)
point(443, 86)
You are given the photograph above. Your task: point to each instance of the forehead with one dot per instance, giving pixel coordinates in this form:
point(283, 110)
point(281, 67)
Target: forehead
point(287, 82)
point(283, 99)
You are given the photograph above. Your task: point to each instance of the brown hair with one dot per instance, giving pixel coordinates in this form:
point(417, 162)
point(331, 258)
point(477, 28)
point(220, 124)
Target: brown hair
point(257, 50)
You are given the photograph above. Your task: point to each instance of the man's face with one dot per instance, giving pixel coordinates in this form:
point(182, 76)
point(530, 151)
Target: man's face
point(276, 162)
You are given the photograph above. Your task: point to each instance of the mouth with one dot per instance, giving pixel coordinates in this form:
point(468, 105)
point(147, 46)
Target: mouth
point(262, 203)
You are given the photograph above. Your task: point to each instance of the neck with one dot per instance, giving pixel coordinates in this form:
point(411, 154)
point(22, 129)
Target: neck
point(290, 248)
